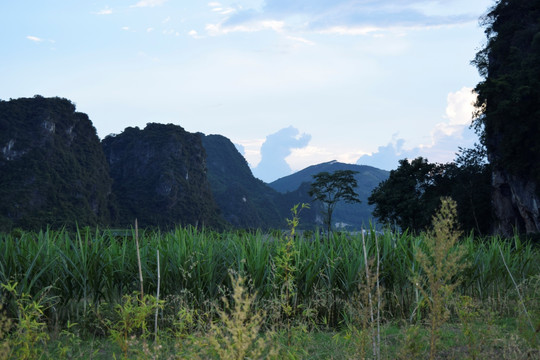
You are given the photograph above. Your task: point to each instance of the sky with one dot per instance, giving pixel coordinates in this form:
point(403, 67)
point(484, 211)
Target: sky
point(291, 83)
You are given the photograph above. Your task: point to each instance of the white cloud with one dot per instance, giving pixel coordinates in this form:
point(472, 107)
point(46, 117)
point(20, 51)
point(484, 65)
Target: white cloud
point(301, 40)
point(459, 109)
point(350, 30)
point(149, 3)
point(227, 11)
point(275, 149)
point(300, 158)
point(106, 11)
point(339, 17)
point(447, 136)
point(224, 11)
point(461, 106)
point(34, 38)
point(252, 150)
point(125, 28)
point(387, 156)
point(150, 29)
point(219, 29)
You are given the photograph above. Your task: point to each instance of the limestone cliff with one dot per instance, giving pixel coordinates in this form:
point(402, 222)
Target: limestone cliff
point(52, 168)
point(509, 112)
point(159, 176)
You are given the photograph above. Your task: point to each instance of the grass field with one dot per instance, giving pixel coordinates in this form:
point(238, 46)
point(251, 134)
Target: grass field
point(261, 295)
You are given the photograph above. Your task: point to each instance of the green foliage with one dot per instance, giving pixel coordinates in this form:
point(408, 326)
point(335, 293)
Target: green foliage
point(30, 335)
point(131, 321)
point(332, 188)
point(195, 263)
point(404, 198)
point(285, 270)
point(413, 344)
point(330, 290)
point(476, 325)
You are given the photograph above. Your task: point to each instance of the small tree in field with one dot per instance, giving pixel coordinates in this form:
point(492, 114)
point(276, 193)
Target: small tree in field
point(332, 188)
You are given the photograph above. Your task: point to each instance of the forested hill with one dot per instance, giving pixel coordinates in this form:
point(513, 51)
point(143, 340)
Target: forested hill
point(55, 172)
point(52, 168)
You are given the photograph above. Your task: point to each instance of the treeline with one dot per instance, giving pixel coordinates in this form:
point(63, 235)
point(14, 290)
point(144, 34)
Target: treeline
point(411, 194)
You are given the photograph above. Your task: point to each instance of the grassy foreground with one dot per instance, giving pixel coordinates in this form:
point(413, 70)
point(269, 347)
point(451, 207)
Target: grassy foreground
point(246, 295)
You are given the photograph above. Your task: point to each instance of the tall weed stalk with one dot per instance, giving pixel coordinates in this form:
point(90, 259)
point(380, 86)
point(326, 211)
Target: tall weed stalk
point(441, 259)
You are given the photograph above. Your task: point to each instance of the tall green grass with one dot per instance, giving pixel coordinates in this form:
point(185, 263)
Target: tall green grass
point(82, 270)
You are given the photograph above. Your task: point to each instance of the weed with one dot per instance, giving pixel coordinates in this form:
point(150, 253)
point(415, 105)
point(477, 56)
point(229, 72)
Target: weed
point(413, 344)
point(69, 343)
point(285, 269)
point(468, 314)
point(441, 259)
point(361, 327)
point(132, 316)
point(30, 335)
point(237, 335)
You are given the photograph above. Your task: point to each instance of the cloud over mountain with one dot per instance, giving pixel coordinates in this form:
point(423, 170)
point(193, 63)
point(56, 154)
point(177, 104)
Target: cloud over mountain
point(275, 149)
point(444, 137)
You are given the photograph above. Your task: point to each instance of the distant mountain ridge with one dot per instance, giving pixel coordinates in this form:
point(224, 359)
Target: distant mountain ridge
point(54, 171)
point(367, 175)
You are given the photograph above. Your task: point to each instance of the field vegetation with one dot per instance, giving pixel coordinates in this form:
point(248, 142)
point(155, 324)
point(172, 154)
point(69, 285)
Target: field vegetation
point(440, 294)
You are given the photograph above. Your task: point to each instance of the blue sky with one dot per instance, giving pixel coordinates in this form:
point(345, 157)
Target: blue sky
point(359, 81)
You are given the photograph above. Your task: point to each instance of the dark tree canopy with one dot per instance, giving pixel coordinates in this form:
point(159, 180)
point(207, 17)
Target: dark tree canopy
point(329, 189)
point(402, 199)
point(508, 116)
point(410, 196)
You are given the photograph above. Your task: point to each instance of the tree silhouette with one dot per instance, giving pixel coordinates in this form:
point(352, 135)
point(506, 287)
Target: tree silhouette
point(332, 188)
